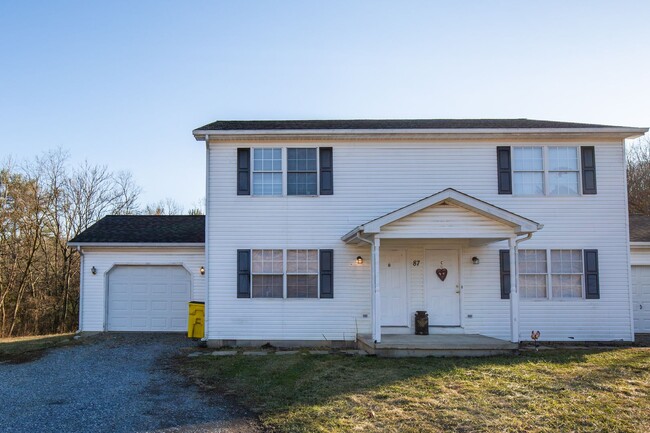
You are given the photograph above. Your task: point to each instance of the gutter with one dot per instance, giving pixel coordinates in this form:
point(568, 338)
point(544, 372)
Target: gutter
point(138, 244)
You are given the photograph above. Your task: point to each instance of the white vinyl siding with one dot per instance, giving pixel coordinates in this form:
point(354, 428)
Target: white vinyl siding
point(372, 178)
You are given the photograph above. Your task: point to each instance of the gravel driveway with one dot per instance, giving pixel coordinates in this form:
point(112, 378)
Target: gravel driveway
point(112, 383)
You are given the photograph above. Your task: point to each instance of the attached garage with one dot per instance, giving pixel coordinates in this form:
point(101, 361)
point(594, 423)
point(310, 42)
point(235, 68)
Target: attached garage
point(640, 260)
point(138, 273)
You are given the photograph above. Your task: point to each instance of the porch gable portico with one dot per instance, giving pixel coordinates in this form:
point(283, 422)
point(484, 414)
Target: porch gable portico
point(447, 215)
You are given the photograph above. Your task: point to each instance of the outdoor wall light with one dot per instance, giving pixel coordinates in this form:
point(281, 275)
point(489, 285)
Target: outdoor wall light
point(202, 270)
point(359, 260)
point(93, 270)
point(475, 260)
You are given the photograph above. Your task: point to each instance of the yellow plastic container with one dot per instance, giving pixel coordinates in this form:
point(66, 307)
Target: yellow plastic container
point(196, 320)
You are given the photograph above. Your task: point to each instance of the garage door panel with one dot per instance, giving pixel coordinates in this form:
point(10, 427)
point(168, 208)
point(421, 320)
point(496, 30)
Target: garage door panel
point(641, 298)
point(148, 298)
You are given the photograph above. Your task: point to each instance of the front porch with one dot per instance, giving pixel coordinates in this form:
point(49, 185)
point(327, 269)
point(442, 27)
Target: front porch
point(444, 255)
point(443, 345)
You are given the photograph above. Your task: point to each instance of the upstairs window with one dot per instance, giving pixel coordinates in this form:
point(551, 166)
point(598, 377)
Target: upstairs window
point(552, 170)
point(302, 171)
point(267, 171)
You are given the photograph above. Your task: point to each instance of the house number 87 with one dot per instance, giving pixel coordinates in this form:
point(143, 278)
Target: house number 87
point(416, 263)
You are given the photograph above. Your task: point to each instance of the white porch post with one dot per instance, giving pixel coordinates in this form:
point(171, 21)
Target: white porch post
point(376, 301)
point(514, 291)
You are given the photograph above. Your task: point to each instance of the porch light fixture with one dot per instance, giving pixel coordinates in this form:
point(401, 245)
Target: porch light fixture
point(475, 260)
point(202, 270)
point(359, 260)
point(93, 270)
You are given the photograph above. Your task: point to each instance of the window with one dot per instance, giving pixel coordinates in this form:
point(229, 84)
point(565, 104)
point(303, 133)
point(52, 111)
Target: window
point(268, 273)
point(267, 171)
point(563, 281)
point(302, 172)
point(563, 171)
point(528, 171)
point(532, 274)
point(552, 170)
point(302, 273)
point(566, 273)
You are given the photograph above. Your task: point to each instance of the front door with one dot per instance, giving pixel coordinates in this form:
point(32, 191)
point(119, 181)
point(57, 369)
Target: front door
point(442, 289)
point(393, 291)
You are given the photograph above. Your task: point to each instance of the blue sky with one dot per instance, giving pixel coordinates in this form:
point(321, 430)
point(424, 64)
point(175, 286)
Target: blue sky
point(123, 83)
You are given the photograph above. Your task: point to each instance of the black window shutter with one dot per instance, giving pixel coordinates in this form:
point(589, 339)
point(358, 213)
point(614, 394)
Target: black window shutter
point(326, 171)
point(592, 286)
point(243, 273)
point(588, 159)
point(326, 273)
point(243, 171)
point(504, 170)
point(504, 265)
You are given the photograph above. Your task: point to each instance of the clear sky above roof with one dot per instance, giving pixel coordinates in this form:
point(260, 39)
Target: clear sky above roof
point(123, 83)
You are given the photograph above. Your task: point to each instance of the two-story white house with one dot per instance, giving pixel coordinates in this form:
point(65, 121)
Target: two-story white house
point(318, 232)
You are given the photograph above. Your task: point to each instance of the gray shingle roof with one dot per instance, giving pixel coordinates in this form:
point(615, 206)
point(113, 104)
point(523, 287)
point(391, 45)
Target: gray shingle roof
point(243, 125)
point(145, 229)
point(639, 228)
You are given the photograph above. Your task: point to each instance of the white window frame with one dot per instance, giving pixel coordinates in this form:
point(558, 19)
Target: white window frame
point(285, 171)
point(545, 171)
point(282, 171)
point(285, 273)
point(550, 273)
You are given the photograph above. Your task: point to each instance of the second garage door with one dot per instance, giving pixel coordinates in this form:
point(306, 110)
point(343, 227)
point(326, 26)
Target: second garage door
point(641, 298)
point(148, 298)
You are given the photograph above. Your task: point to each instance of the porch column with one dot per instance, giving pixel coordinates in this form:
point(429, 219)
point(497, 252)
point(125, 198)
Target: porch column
point(376, 301)
point(514, 291)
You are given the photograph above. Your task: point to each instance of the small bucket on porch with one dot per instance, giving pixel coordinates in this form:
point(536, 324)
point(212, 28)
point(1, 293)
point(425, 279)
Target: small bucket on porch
point(421, 323)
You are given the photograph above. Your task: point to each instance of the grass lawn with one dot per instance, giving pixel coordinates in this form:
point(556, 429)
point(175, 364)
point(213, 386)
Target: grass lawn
point(22, 349)
point(560, 391)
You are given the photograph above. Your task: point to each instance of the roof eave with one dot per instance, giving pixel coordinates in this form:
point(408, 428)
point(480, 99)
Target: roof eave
point(138, 244)
point(623, 132)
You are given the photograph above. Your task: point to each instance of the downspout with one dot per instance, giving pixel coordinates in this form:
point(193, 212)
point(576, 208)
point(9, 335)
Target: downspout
point(206, 255)
point(81, 288)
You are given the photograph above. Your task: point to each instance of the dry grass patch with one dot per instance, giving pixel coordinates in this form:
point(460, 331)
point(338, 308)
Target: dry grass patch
point(581, 391)
point(24, 349)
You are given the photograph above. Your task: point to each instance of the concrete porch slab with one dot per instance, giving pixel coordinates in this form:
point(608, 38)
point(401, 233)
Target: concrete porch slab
point(394, 345)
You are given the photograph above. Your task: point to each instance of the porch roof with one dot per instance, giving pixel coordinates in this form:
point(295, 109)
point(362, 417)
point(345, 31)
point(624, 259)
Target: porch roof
point(519, 224)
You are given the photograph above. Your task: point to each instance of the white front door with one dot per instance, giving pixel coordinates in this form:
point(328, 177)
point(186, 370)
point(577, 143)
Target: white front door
point(392, 286)
point(641, 298)
point(442, 289)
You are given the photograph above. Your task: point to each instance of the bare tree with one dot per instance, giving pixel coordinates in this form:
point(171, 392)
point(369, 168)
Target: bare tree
point(42, 205)
point(638, 176)
point(168, 206)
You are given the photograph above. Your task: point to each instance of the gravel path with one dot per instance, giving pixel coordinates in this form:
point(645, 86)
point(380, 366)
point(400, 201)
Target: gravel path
point(112, 383)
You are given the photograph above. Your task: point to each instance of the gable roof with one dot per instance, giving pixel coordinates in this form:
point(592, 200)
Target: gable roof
point(639, 228)
point(129, 229)
point(520, 224)
point(379, 124)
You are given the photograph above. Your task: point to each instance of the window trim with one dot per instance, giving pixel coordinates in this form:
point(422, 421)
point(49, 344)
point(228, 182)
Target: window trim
point(545, 171)
point(549, 273)
point(285, 171)
point(285, 274)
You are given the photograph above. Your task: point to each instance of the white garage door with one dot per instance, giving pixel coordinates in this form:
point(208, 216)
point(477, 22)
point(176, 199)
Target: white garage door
point(148, 298)
point(641, 298)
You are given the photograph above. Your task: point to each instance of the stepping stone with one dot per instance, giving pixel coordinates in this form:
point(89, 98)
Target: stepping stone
point(255, 353)
point(195, 354)
point(355, 352)
point(224, 353)
point(286, 352)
